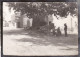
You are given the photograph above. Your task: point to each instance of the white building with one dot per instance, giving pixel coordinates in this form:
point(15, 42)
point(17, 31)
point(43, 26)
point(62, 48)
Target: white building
point(72, 23)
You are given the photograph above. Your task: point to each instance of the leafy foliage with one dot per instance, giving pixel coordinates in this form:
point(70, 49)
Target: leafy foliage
point(39, 8)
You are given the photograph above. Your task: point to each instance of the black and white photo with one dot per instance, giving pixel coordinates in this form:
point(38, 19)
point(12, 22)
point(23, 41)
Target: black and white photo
point(40, 28)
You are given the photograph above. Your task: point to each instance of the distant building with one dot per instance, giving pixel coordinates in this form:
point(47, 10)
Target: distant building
point(72, 23)
point(15, 20)
point(48, 19)
point(26, 20)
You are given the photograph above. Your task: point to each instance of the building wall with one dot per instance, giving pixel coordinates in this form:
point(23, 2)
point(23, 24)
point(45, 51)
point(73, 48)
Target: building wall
point(21, 22)
point(25, 19)
point(70, 23)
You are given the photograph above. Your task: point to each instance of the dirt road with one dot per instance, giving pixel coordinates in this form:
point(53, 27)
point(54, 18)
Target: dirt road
point(20, 42)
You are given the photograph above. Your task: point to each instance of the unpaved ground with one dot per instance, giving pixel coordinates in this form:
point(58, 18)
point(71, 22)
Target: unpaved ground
point(20, 42)
point(0, 44)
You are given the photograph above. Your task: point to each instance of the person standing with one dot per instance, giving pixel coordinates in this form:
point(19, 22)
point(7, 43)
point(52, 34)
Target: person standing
point(28, 24)
point(51, 26)
point(65, 30)
point(58, 31)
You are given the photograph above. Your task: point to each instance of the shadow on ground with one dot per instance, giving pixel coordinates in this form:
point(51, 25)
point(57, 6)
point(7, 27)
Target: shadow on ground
point(39, 38)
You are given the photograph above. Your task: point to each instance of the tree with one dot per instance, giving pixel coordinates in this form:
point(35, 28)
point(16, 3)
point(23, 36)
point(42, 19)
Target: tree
point(38, 10)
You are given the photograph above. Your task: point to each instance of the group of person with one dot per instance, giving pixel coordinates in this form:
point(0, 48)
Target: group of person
point(57, 32)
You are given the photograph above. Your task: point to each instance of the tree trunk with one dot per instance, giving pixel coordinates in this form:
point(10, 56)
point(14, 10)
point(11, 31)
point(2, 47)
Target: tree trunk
point(38, 21)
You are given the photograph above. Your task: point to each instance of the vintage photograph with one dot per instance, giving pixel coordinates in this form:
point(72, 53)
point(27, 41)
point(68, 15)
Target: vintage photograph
point(0, 29)
point(40, 28)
